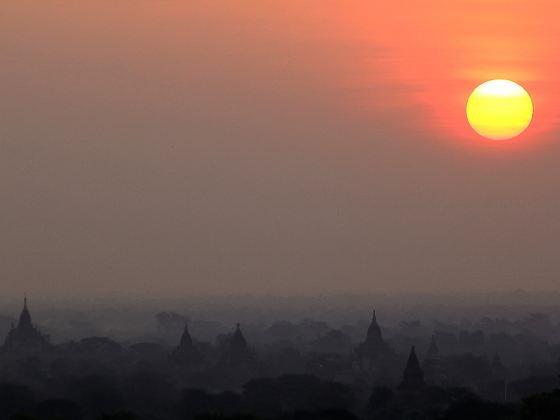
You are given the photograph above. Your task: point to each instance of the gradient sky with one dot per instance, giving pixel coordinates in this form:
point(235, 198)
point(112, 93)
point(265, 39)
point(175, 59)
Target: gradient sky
point(249, 146)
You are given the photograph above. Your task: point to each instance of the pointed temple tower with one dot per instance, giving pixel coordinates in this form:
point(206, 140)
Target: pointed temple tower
point(186, 352)
point(433, 351)
point(413, 377)
point(432, 365)
point(373, 337)
point(373, 351)
point(24, 336)
point(237, 352)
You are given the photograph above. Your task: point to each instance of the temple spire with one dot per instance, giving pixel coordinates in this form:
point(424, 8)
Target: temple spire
point(413, 377)
point(238, 340)
point(25, 316)
point(433, 351)
point(186, 352)
point(374, 332)
point(24, 336)
point(237, 351)
point(186, 339)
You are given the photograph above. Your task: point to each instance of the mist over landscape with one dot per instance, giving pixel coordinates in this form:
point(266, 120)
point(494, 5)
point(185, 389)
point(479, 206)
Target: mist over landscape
point(279, 210)
point(340, 356)
point(135, 318)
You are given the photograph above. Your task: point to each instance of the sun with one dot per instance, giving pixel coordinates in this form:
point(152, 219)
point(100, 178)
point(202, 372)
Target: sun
point(499, 109)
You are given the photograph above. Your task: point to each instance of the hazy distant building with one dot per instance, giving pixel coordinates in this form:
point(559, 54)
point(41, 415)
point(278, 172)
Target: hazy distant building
point(186, 353)
point(236, 351)
point(432, 367)
point(25, 336)
point(373, 352)
point(433, 350)
point(413, 376)
point(496, 387)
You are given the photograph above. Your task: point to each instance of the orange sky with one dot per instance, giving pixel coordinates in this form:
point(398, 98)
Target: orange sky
point(441, 50)
point(273, 146)
point(428, 55)
point(408, 53)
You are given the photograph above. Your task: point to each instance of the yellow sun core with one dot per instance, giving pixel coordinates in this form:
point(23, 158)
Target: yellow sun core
point(499, 109)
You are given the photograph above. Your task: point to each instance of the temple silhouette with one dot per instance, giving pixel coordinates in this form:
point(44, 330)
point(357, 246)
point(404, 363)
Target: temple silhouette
point(232, 360)
point(373, 354)
point(25, 336)
point(236, 352)
point(186, 353)
point(413, 376)
point(326, 369)
point(433, 370)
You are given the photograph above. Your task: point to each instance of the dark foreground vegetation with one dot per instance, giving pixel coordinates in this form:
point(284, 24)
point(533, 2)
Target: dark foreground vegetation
point(288, 397)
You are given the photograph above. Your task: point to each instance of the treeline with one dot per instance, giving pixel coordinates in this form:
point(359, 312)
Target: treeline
point(289, 397)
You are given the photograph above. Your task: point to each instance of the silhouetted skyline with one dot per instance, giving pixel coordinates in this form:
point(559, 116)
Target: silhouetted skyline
point(281, 369)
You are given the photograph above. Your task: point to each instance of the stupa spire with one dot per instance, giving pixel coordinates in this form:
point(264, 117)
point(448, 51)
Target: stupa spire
point(433, 351)
point(413, 377)
point(374, 332)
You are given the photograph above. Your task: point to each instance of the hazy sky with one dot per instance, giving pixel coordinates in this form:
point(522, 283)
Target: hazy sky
point(180, 147)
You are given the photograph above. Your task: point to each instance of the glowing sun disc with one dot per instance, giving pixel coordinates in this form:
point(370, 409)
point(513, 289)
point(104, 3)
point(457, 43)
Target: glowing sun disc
point(499, 109)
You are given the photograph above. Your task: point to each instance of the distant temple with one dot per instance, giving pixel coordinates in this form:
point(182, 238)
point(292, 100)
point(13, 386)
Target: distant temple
point(25, 336)
point(186, 352)
point(434, 373)
point(237, 352)
point(433, 351)
point(413, 377)
point(373, 350)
